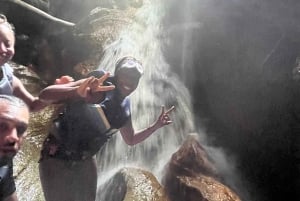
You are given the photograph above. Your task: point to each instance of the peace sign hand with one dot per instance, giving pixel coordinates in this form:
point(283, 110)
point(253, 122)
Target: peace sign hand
point(92, 84)
point(97, 84)
point(164, 118)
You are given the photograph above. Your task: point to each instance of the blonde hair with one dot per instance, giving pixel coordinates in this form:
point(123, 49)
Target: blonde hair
point(3, 20)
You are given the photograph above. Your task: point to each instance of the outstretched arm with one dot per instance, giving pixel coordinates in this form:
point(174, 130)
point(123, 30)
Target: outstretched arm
point(81, 89)
point(60, 92)
point(132, 138)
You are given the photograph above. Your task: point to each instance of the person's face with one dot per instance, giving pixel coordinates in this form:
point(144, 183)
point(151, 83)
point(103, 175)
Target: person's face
point(7, 43)
point(126, 82)
point(13, 125)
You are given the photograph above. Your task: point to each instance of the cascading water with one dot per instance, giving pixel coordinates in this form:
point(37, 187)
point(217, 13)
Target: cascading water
point(158, 86)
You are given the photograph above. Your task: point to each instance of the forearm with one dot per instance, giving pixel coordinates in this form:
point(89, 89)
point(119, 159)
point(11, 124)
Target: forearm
point(57, 94)
point(133, 138)
point(60, 92)
point(143, 134)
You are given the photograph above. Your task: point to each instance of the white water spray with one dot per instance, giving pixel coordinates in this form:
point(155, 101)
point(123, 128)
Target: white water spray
point(158, 86)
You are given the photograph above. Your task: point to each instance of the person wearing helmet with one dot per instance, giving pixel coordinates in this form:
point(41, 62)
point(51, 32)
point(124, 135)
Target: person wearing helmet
point(96, 107)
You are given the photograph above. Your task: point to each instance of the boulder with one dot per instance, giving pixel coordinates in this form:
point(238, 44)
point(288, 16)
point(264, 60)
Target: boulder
point(192, 176)
point(132, 184)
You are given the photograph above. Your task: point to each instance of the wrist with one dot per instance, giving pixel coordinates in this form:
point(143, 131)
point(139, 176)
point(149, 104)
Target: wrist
point(156, 126)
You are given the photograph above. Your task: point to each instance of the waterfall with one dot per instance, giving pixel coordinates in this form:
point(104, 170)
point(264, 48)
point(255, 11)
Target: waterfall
point(158, 86)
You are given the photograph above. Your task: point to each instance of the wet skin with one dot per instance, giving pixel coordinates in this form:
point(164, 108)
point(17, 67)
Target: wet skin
point(126, 81)
point(13, 125)
point(7, 42)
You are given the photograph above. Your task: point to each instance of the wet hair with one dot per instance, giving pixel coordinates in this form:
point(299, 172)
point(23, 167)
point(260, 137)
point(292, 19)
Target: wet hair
point(3, 20)
point(13, 101)
point(131, 63)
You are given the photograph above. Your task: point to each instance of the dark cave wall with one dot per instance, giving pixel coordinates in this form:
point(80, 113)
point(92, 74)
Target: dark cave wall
point(236, 57)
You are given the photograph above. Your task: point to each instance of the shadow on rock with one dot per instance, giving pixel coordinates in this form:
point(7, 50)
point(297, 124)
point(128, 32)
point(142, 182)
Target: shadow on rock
point(191, 176)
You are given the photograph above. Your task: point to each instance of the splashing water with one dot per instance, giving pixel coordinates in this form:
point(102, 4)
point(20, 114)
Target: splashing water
point(158, 86)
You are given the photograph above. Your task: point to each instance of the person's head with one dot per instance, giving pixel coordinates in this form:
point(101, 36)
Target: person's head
point(7, 40)
point(14, 118)
point(128, 72)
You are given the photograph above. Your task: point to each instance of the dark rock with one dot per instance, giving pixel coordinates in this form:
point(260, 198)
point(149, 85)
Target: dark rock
point(132, 184)
point(191, 176)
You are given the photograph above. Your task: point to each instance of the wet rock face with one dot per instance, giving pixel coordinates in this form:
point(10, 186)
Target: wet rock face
point(71, 10)
point(205, 188)
point(191, 176)
point(132, 184)
point(191, 159)
point(75, 10)
point(26, 161)
point(55, 47)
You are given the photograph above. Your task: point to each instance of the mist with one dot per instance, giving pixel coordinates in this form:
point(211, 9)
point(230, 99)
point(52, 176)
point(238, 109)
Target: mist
point(236, 57)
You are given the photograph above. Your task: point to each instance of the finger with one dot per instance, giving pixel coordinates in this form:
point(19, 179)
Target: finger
point(169, 122)
point(67, 78)
point(87, 83)
point(166, 117)
point(57, 81)
point(170, 110)
point(84, 86)
point(83, 92)
point(104, 88)
point(94, 84)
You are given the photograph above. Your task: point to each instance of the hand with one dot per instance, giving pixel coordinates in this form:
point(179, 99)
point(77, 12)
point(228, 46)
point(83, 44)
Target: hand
point(92, 84)
point(164, 118)
point(64, 80)
point(97, 84)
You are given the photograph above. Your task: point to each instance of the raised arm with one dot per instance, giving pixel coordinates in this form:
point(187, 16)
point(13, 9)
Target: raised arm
point(131, 137)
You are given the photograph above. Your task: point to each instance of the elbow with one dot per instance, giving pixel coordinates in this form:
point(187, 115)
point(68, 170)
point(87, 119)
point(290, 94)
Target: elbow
point(130, 142)
point(128, 136)
point(37, 105)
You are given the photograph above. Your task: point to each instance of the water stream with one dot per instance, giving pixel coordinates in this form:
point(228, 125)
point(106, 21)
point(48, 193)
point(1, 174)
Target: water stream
point(158, 86)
